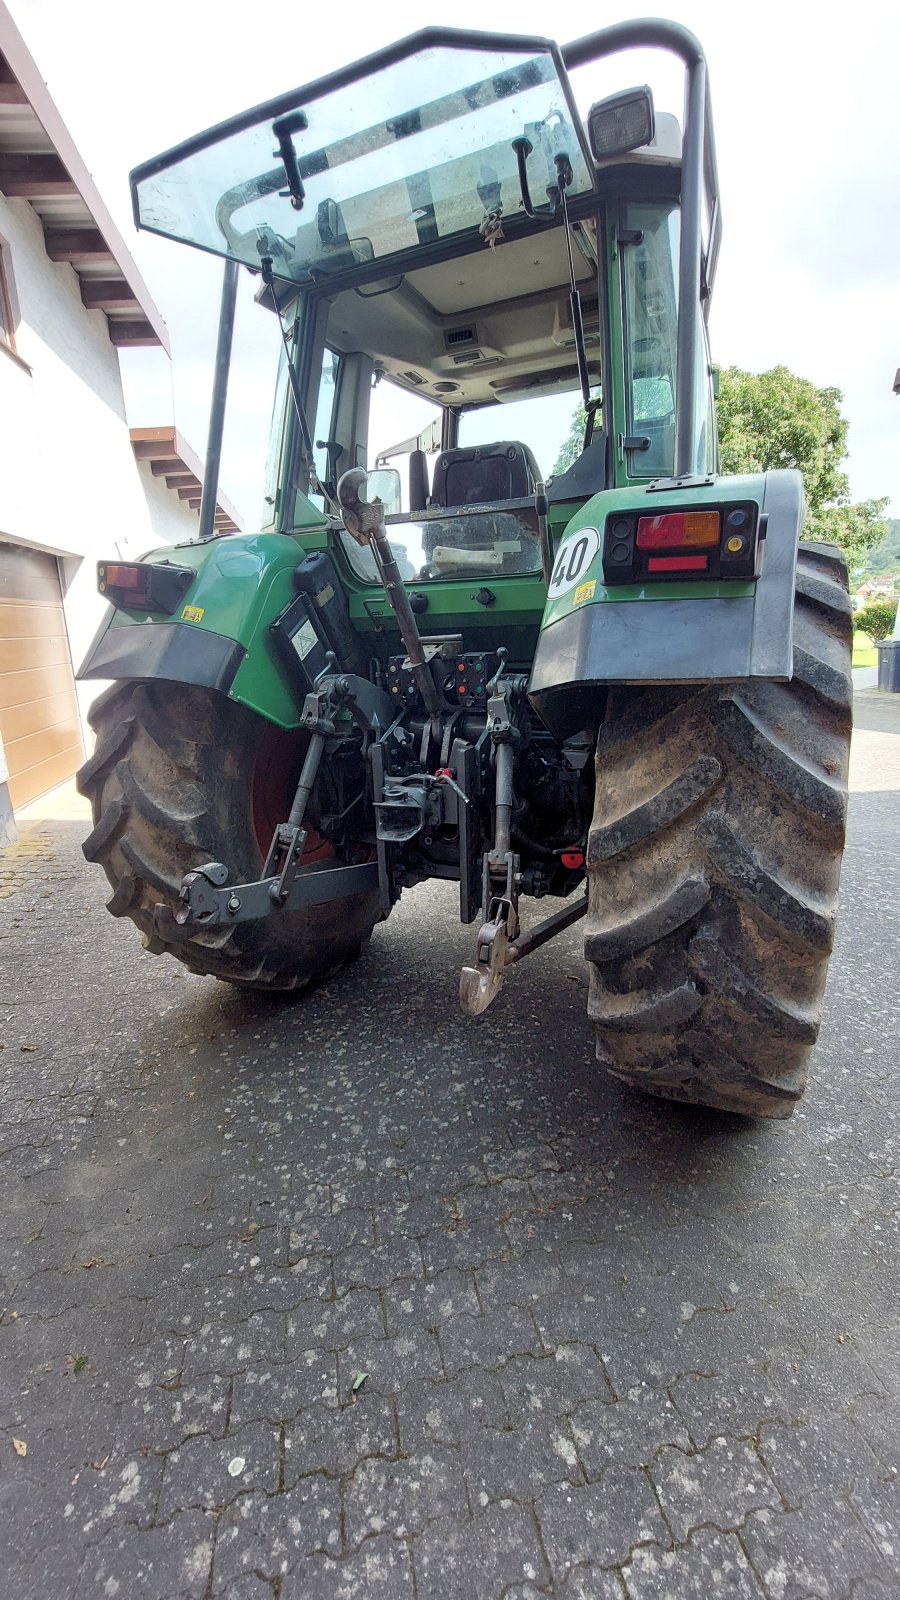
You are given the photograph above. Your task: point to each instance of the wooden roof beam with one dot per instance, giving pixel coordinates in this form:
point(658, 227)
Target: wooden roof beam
point(108, 294)
point(34, 177)
point(76, 244)
point(131, 335)
point(158, 450)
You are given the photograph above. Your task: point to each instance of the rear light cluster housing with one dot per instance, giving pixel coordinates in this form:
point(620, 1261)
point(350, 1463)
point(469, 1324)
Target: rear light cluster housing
point(678, 542)
point(144, 585)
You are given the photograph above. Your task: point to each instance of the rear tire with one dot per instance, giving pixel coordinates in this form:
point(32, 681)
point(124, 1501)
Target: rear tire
point(171, 782)
point(713, 865)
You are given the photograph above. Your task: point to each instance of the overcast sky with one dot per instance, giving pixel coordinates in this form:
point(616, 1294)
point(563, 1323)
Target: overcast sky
point(807, 115)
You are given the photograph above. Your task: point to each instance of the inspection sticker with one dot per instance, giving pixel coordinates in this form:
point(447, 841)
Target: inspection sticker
point(193, 614)
point(586, 592)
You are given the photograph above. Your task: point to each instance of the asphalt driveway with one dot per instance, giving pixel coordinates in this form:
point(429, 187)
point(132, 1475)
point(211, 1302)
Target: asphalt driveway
point(613, 1348)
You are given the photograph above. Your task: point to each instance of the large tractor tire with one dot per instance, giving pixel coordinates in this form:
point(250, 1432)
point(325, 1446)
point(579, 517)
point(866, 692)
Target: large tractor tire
point(713, 866)
point(181, 776)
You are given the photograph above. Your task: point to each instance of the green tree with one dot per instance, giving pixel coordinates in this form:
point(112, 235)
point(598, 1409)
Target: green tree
point(571, 449)
point(775, 419)
point(876, 619)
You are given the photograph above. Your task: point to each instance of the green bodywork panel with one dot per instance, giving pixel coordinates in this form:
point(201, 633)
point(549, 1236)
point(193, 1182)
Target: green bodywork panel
point(244, 581)
point(242, 584)
point(593, 514)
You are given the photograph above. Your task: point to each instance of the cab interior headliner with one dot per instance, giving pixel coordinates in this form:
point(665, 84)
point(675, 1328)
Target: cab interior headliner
point(493, 324)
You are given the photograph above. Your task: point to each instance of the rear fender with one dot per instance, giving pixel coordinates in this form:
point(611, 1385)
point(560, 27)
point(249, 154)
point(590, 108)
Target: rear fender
point(219, 636)
point(684, 631)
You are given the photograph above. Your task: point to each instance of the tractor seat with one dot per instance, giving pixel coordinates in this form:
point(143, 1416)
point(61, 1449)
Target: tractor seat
point(480, 474)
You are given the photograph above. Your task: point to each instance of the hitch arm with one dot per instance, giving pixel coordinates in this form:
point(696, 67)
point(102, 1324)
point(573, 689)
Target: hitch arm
point(495, 951)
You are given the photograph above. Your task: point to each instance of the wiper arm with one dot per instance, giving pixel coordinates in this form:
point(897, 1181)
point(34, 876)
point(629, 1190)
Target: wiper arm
point(523, 148)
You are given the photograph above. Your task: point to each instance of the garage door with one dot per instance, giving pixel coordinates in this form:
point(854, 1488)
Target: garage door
point(38, 709)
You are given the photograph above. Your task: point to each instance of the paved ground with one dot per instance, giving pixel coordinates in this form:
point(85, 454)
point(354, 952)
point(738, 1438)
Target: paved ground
point(614, 1349)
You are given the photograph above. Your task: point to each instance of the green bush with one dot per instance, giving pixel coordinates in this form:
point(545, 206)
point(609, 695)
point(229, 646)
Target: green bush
point(876, 619)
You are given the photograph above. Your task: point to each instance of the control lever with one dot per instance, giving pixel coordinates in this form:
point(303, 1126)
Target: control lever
point(364, 521)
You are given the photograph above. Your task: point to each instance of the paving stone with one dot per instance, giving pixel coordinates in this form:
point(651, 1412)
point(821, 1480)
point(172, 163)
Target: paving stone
point(627, 1432)
point(334, 1439)
point(555, 1384)
point(452, 1412)
point(712, 1563)
point(820, 1551)
point(878, 1507)
point(479, 1559)
point(172, 1560)
point(402, 1497)
point(516, 1463)
point(736, 1406)
point(719, 1485)
point(380, 1569)
point(826, 1454)
point(488, 1341)
point(280, 1392)
point(599, 1523)
point(259, 1533)
point(208, 1473)
point(430, 1302)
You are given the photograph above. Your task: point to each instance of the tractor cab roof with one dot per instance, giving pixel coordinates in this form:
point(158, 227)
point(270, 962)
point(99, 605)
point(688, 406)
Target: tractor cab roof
point(404, 154)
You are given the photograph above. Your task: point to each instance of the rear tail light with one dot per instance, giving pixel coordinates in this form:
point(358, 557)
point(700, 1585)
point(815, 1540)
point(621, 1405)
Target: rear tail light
point(678, 564)
point(144, 585)
point(688, 541)
point(676, 530)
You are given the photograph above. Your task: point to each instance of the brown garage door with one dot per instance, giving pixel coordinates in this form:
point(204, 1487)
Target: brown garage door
point(38, 710)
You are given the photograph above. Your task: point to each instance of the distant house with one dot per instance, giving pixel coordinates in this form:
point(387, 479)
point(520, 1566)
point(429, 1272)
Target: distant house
point(875, 588)
point(76, 483)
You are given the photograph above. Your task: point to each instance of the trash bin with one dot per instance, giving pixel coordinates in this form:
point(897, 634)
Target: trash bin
point(889, 665)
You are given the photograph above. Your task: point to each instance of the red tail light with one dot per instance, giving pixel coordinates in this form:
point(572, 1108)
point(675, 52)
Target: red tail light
point(678, 530)
point(678, 564)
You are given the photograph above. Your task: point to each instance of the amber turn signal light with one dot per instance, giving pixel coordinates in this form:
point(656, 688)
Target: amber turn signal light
point(678, 530)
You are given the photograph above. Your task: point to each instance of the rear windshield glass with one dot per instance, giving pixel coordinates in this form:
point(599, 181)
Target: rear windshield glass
point(418, 151)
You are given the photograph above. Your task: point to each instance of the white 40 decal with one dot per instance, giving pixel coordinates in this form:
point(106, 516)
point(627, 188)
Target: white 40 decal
point(573, 559)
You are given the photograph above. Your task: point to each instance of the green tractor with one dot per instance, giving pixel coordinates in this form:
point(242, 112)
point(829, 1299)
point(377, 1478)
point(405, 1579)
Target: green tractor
point(618, 679)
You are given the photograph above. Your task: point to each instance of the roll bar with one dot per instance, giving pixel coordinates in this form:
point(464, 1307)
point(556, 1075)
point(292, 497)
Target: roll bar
point(699, 175)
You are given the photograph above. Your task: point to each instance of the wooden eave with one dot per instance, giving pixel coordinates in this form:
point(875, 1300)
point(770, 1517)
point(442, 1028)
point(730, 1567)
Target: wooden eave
point(39, 163)
point(171, 457)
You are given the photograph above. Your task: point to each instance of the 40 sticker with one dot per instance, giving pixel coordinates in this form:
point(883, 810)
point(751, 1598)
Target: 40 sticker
point(573, 560)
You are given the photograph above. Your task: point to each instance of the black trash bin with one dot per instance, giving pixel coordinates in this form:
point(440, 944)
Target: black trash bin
point(889, 665)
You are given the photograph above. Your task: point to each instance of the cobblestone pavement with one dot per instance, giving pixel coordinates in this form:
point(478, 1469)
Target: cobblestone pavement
point(614, 1349)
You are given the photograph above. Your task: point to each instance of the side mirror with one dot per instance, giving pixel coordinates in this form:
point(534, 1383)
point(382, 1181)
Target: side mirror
point(385, 484)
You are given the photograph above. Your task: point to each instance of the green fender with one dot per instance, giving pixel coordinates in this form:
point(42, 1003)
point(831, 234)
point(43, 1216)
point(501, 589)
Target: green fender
point(723, 630)
point(219, 636)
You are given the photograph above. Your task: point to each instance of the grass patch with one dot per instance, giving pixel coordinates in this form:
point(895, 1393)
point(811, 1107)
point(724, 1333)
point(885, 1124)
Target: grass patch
point(864, 652)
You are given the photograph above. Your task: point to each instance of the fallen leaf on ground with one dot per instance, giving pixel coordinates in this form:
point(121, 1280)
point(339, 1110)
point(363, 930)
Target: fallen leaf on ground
point(94, 1261)
point(100, 1463)
point(358, 1381)
point(20, 1447)
point(30, 1048)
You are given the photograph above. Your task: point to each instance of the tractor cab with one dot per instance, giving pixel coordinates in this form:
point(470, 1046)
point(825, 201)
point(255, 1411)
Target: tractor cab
point(457, 254)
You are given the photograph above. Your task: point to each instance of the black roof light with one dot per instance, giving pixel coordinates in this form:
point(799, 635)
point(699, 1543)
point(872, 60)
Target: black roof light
point(622, 122)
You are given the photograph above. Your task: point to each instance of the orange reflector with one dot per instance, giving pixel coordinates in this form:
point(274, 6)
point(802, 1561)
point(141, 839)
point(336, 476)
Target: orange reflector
point(675, 530)
point(125, 577)
point(678, 563)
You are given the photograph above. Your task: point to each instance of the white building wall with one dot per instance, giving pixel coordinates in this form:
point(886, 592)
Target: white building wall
point(69, 482)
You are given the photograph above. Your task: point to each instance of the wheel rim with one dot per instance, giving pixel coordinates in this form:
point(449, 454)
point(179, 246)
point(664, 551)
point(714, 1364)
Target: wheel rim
point(276, 770)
